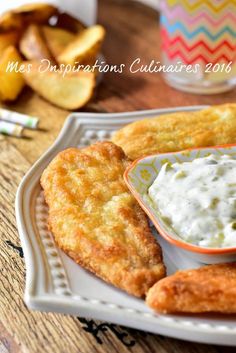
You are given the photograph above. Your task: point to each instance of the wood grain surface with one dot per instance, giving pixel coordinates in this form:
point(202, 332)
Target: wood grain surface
point(133, 32)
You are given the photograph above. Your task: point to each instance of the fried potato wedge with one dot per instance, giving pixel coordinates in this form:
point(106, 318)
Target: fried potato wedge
point(68, 22)
point(10, 21)
point(11, 82)
point(70, 92)
point(57, 39)
point(85, 47)
point(8, 39)
point(36, 12)
point(33, 46)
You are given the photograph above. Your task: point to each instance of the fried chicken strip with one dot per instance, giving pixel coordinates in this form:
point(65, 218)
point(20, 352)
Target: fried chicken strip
point(208, 289)
point(178, 131)
point(97, 222)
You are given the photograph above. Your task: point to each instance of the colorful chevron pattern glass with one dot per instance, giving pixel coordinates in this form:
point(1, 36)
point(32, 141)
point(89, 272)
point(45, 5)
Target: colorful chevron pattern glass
point(200, 35)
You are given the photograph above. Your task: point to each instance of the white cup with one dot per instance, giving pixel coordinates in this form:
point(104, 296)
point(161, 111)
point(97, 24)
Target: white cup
point(84, 10)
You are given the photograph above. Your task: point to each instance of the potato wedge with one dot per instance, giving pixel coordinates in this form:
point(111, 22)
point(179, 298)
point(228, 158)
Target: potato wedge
point(36, 12)
point(33, 46)
point(10, 21)
point(8, 39)
point(57, 39)
point(70, 92)
point(69, 23)
point(11, 83)
point(85, 47)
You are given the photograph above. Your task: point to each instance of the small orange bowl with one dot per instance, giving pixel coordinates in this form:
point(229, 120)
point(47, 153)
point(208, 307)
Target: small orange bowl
point(140, 176)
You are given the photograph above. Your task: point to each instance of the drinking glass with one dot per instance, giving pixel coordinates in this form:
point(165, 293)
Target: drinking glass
point(199, 44)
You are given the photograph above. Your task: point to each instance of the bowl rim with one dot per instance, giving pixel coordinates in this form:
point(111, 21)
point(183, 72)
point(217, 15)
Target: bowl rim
point(177, 242)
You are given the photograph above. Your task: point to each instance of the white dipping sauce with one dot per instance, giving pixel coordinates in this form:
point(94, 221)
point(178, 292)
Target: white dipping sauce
point(198, 200)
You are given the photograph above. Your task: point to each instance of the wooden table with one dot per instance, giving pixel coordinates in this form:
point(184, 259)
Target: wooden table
point(132, 32)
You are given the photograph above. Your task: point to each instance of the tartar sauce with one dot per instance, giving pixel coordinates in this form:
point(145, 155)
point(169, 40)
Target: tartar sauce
point(198, 200)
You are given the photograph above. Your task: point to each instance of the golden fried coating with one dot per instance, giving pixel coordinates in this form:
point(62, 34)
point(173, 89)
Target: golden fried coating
point(178, 131)
point(97, 222)
point(208, 289)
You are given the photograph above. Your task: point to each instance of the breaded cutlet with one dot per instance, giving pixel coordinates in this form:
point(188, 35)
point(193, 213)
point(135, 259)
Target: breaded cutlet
point(178, 131)
point(210, 288)
point(97, 222)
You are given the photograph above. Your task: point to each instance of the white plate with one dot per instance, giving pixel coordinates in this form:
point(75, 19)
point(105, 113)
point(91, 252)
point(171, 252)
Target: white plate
point(55, 283)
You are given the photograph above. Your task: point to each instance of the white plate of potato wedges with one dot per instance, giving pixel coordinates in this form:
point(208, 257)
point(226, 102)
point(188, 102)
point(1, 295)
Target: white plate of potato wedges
point(89, 247)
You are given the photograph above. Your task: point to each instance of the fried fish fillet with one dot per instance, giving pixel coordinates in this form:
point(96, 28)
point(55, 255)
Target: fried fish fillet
point(208, 289)
point(178, 131)
point(97, 222)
